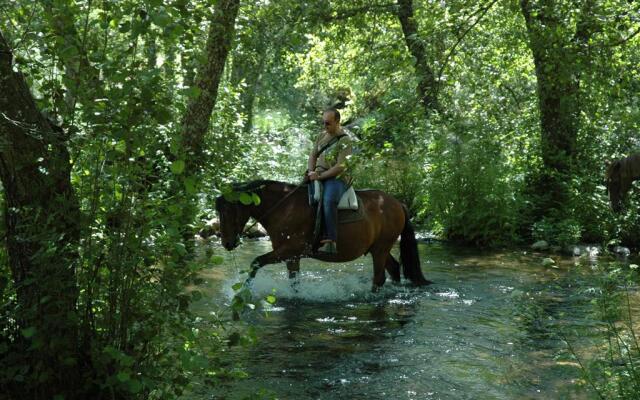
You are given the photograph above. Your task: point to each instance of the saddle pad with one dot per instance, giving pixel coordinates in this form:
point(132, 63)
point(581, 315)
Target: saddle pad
point(349, 215)
point(348, 201)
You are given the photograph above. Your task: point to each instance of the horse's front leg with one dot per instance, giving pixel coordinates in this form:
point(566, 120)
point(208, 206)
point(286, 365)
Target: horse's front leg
point(271, 257)
point(293, 266)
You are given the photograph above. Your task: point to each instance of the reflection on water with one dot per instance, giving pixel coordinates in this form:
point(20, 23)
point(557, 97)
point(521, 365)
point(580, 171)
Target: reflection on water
point(491, 327)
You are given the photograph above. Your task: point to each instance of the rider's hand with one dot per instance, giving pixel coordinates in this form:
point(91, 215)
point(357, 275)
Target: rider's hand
point(313, 176)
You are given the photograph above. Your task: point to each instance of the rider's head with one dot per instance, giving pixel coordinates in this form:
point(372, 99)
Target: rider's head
point(331, 120)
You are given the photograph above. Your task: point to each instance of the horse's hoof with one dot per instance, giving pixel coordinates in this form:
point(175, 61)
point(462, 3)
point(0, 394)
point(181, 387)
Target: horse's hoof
point(248, 283)
point(375, 288)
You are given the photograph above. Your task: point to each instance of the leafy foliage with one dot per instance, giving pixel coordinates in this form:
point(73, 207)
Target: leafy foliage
point(118, 78)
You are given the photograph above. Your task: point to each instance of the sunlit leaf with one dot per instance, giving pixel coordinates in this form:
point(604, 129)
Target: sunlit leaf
point(217, 260)
point(246, 199)
point(177, 167)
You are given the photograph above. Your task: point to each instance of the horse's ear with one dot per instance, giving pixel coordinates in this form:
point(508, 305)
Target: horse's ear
point(613, 168)
point(616, 165)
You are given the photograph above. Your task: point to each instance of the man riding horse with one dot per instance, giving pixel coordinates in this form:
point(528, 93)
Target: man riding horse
point(327, 165)
point(285, 213)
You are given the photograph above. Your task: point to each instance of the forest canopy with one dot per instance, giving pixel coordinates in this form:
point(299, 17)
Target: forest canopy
point(121, 121)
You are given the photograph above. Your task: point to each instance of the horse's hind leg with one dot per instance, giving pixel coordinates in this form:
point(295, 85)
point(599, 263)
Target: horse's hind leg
point(293, 266)
point(393, 268)
point(379, 262)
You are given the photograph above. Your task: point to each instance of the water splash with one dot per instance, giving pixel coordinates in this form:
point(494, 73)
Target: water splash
point(328, 286)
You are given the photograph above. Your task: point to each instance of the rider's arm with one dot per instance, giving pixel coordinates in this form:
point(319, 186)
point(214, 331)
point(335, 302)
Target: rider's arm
point(313, 157)
point(331, 172)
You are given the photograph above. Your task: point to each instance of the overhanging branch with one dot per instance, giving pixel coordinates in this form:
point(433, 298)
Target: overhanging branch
point(451, 51)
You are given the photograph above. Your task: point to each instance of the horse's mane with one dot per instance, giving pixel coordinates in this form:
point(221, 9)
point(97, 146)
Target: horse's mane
point(257, 184)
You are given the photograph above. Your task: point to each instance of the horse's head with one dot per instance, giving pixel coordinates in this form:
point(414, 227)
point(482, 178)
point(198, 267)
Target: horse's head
point(613, 182)
point(233, 217)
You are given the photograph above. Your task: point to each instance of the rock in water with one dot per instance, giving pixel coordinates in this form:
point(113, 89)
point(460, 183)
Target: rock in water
point(621, 251)
point(540, 245)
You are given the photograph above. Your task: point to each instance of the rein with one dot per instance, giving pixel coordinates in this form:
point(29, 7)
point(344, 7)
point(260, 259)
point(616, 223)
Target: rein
point(273, 207)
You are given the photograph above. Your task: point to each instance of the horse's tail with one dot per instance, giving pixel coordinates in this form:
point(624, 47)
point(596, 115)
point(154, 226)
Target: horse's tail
point(409, 257)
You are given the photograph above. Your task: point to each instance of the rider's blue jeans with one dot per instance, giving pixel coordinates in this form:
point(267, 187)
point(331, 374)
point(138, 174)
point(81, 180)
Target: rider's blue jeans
point(332, 191)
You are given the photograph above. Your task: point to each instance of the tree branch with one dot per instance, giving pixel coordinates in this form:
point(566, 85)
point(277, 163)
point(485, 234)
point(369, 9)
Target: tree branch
point(624, 40)
point(451, 52)
point(427, 85)
point(346, 14)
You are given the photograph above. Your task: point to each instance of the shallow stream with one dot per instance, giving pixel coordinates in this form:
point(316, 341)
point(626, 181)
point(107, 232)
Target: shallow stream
point(494, 325)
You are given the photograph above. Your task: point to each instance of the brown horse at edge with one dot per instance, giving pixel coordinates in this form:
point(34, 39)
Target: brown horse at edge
point(619, 177)
point(290, 225)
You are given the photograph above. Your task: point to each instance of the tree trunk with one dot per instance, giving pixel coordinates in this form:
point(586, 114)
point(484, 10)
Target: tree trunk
point(198, 114)
point(557, 66)
point(427, 85)
point(197, 117)
point(42, 220)
point(247, 66)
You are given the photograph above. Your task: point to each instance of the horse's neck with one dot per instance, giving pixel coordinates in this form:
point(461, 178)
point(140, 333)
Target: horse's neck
point(271, 199)
point(273, 202)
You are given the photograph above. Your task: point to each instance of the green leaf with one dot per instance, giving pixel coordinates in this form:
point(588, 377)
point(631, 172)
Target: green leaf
point(134, 386)
point(190, 185)
point(161, 19)
point(69, 52)
point(123, 376)
point(121, 146)
point(231, 197)
point(162, 115)
point(174, 147)
point(256, 199)
point(126, 360)
point(29, 332)
point(246, 199)
point(217, 260)
point(177, 167)
point(191, 92)
point(271, 299)
point(236, 286)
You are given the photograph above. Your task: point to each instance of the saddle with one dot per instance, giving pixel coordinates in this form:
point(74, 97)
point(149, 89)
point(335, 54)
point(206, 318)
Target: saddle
point(348, 201)
point(350, 209)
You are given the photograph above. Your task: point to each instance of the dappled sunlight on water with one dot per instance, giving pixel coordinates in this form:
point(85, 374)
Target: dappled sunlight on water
point(492, 325)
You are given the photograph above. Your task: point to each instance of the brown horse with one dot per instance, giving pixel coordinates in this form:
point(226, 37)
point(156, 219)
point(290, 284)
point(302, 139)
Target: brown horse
point(289, 220)
point(619, 177)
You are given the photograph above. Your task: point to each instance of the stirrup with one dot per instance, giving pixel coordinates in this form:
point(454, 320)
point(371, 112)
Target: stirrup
point(328, 248)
